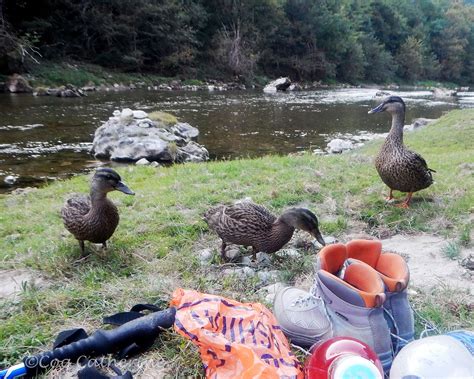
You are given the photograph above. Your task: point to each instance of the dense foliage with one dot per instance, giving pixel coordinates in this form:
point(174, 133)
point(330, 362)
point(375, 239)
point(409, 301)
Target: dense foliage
point(347, 40)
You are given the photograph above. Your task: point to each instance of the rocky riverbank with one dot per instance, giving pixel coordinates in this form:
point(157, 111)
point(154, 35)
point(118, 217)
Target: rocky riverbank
point(27, 84)
point(347, 141)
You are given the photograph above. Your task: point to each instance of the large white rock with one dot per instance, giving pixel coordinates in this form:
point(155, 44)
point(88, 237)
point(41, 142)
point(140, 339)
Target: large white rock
point(338, 145)
point(280, 84)
point(142, 162)
point(443, 92)
point(128, 139)
point(10, 179)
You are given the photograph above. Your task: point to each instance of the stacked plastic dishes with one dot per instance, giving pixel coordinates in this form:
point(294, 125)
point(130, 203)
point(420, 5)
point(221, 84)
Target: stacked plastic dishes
point(343, 357)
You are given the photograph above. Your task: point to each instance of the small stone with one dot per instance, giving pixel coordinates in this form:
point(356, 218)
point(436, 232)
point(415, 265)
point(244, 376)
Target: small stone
point(232, 253)
point(10, 179)
point(263, 259)
point(155, 164)
point(116, 113)
point(330, 239)
point(289, 253)
point(205, 256)
point(139, 114)
point(246, 260)
point(268, 276)
point(142, 162)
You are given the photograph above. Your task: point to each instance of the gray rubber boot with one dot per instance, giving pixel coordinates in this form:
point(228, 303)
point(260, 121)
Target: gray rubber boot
point(399, 318)
point(351, 313)
point(394, 272)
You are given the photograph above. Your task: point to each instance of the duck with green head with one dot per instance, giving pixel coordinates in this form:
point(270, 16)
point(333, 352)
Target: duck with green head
point(248, 224)
point(399, 168)
point(94, 218)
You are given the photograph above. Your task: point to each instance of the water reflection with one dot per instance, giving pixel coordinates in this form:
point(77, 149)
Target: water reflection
point(47, 137)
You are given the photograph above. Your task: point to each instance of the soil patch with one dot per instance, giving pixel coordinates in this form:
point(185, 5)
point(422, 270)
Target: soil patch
point(12, 282)
point(428, 265)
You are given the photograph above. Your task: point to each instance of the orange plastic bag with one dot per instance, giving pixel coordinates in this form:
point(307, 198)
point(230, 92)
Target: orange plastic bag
point(235, 340)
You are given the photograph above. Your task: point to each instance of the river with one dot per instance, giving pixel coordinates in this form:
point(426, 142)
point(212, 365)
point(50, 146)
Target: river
point(43, 138)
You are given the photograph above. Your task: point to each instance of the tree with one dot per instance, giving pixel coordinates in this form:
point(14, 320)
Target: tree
point(410, 59)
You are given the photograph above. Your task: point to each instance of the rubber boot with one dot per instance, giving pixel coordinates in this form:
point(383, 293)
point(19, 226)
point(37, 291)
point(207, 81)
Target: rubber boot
point(393, 271)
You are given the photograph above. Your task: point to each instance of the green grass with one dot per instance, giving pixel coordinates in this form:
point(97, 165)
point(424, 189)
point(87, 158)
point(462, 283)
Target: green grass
point(164, 117)
point(452, 250)
point(81, 74)
point(153, 251)
point(193, 82)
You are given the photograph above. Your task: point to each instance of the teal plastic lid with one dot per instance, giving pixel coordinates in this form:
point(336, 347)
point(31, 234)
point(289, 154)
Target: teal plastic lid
point(353, 367)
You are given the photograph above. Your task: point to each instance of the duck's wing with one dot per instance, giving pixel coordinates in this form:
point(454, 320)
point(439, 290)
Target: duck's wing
point(238, 222)
point(261, 213)
point(418, 160)
point(75, 209)
point(418, 164)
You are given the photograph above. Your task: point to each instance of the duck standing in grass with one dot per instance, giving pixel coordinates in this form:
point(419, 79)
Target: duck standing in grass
point(94, 218)
point(400, 169)
point(248, 224)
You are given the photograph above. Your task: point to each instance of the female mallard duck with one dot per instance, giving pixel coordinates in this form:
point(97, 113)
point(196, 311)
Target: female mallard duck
point(249, 224)
point(400, 169)
point(94, 218)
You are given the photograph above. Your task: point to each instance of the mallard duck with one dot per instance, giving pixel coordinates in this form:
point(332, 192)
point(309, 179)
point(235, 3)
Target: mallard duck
point(94, 218)
point(400, 169)
point(248, 224)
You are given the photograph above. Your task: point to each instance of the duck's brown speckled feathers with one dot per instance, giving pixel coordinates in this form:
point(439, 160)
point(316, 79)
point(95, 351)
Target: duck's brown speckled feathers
point(87, 223)
point(94, 218)
point(399, 168)
point(248, 224)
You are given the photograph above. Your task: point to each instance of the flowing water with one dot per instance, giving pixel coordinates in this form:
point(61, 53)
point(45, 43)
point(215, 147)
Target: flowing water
point(43, 138)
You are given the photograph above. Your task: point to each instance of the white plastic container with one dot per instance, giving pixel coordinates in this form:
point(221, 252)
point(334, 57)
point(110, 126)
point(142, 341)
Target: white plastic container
point(449, 355)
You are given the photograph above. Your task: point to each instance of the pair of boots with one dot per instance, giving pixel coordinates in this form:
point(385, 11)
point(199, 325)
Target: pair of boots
point(359, 292)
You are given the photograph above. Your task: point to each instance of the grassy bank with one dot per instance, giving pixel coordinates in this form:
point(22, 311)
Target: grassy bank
point(82, 74)
point(154, 249)
point(51, 74)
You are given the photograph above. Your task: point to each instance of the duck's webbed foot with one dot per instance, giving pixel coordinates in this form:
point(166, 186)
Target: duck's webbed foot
point(406, 202)
point(390, 196)
point(253, 261)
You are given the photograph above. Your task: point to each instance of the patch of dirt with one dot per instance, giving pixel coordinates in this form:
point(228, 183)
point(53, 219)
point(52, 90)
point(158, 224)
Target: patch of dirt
point(428, 265)
point(12, 282)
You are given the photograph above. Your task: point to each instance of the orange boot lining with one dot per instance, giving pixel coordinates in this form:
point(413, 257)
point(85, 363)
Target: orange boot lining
point(331, 257)
point(367, 251)
point(394, 271)
point(365, 281)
